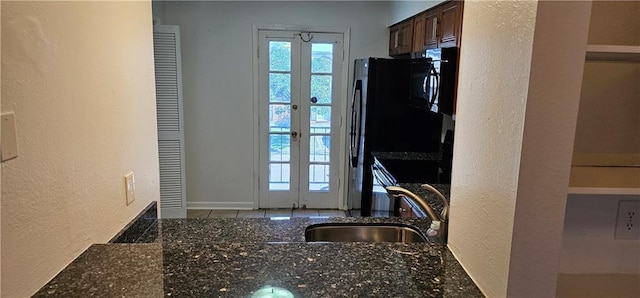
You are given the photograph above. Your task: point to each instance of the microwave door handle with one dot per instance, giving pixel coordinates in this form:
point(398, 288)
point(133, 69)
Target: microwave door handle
point(425, 86)
point(436, 90)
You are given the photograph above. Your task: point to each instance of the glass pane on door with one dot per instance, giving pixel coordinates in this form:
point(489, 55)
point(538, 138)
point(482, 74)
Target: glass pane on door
point(280, 87)
point(279, 118)
point(279, 56)
point(280, 121)
point(320, 119)
point(279, 176)
point(280, 147)
point(321, 88)
point(321, 57)
point(320, 148)
point(318, 177)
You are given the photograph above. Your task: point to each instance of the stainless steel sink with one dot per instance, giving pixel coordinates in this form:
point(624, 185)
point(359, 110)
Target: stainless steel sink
point(358, 232)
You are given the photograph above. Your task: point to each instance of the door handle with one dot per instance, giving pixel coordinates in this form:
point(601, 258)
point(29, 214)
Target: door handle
point(294, 134)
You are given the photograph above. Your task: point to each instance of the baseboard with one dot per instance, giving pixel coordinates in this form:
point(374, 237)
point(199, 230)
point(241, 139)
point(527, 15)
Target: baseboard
point(220, 205)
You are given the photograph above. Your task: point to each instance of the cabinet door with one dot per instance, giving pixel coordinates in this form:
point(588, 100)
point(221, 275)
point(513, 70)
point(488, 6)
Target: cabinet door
point(394, 40)
point(431, 29)
point(406, 37)
point(449, 25)
point(418, 32)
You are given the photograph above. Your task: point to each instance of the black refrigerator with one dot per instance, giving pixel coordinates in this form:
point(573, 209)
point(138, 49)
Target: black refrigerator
point(383, 120)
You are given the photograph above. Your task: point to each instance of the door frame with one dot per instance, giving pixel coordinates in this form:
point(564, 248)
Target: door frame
point(342, 174)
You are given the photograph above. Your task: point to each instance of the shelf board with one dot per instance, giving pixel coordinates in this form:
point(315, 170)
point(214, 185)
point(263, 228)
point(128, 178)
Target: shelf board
point(603, 191)
point(606, 159)
point(613, 53)
point(605, 180)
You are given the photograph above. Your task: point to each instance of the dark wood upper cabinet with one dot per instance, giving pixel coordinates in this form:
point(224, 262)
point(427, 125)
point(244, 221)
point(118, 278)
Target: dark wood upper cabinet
point(418, 32)
point(449, 24)
point(431, 30)
point(401, 38)
point(438, 27)
point(407, 36)
point(394, 36)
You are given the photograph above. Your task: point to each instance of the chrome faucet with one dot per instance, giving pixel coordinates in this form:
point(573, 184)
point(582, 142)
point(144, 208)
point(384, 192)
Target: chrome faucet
point(437, 221)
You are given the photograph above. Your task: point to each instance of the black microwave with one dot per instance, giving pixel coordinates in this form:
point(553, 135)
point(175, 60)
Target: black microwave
point(424, 80)
point(433, 80)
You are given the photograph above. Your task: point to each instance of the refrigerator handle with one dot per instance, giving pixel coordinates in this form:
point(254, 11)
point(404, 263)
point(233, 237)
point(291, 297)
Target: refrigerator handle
point(353, 148)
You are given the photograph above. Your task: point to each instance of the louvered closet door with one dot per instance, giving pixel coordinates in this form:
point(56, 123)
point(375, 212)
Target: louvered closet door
point(166, 49)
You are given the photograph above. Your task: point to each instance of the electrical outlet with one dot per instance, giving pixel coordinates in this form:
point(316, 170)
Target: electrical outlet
point(628, 222)
point(130, 188)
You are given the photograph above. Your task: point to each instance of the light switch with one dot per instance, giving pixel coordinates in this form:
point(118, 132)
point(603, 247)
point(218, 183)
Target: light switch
point(130, 187)
point(9, 140)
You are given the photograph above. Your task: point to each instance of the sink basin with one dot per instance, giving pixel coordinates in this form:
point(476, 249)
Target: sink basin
point(357, 232)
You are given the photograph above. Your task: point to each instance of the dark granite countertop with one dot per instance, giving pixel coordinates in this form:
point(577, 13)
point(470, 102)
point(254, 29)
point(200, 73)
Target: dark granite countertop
point(238, 257)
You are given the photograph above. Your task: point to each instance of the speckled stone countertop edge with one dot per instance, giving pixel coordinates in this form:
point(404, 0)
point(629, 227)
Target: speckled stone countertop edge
point(236, 269)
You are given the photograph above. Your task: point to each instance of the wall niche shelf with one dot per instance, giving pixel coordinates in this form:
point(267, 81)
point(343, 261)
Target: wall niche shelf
point(613, 53)
point(610, 174)
point(607, 174)
point(604, 180)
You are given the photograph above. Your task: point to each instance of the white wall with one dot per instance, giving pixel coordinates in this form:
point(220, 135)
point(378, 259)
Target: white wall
point(588, 245)
point(400, 10)
point(79, 76)
point(490, 119)
point(217, 77)
point(520, 75)
point(158, 12)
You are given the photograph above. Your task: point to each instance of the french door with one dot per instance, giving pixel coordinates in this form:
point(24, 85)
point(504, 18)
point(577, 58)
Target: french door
point(300, 75)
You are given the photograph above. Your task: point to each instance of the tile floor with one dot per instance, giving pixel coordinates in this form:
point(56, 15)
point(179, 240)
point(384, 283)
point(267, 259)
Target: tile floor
point(265, 213)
